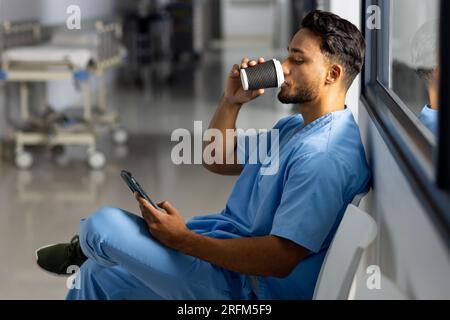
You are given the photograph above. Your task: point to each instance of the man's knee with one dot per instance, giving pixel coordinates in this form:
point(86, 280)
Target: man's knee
point(104, 221)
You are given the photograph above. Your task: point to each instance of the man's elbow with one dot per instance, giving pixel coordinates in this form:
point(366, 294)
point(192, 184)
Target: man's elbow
point(284, 272)
point(214, 168)
point(289, 256)
point(224, 169)
point(280, 270)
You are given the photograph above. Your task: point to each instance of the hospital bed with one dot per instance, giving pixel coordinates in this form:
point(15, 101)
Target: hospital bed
point(69, 55)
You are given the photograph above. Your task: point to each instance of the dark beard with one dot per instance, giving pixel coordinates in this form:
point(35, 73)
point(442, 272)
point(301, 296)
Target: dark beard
point(303, 96)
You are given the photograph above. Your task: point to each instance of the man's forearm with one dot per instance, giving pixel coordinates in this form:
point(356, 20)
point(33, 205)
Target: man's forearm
point(259, 256)
point(225, 119)
point(225, 116)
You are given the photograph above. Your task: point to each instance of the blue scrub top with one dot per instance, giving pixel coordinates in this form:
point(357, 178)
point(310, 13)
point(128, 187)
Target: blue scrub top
point(322, 167)
point(429, 117)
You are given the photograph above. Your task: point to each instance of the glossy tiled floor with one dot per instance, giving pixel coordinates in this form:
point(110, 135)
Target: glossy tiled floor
point(45, 204)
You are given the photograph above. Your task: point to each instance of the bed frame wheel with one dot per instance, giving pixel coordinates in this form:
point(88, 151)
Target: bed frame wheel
point(23, 160)
point(120, 136)
point(96, 160)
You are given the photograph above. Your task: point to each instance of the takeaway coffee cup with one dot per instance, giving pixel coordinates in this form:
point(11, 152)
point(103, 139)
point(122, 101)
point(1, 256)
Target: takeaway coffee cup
point(262, 76)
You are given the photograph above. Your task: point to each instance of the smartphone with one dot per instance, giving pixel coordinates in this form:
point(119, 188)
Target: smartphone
point(135, 186)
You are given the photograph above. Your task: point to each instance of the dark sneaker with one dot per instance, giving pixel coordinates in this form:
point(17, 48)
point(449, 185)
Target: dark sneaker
point(57, 258)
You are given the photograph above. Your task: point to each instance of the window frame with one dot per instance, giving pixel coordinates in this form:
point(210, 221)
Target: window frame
point(423, 159)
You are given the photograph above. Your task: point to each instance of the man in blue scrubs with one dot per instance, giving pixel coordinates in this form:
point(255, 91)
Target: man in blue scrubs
point(271, 238)
point(425, 58)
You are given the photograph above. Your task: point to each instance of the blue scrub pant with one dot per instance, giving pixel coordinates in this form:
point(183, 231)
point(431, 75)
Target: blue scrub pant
point(125, 262)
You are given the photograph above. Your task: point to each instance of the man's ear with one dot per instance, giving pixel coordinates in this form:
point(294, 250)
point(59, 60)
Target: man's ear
point(335, 73)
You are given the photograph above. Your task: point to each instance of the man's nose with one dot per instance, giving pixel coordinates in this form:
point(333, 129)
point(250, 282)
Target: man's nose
point(285, 67)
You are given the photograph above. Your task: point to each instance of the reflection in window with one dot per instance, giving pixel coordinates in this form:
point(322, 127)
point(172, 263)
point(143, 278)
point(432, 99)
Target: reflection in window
point(414, 68)
point(425, 61)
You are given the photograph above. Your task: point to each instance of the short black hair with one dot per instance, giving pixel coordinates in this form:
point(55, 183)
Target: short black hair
point(426, 75)
point(342, 42)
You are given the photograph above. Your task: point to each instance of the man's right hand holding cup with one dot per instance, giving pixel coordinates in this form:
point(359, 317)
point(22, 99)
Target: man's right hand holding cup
point(234, 92)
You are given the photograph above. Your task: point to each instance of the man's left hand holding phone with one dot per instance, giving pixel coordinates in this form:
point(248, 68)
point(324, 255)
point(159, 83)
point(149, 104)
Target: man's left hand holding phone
point(168, 227)
point(135, 187)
